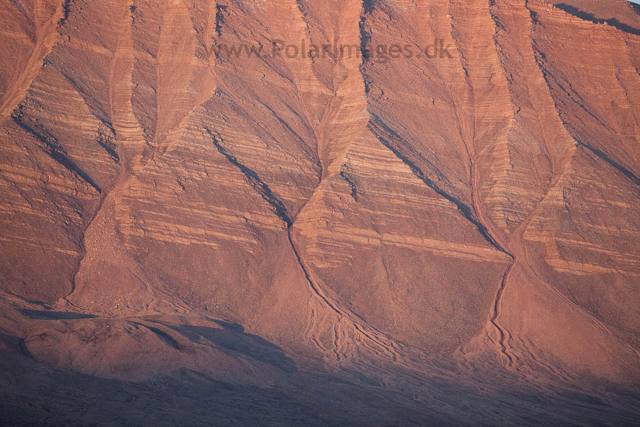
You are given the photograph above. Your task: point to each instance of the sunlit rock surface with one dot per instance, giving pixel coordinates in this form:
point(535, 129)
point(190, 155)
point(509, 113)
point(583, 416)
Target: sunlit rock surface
point(306, 239)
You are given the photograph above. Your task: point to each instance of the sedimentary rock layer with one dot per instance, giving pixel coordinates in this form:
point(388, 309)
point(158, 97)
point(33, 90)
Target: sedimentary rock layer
point(472, 212)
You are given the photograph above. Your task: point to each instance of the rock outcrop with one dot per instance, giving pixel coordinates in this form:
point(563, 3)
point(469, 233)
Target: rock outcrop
point(395, 223)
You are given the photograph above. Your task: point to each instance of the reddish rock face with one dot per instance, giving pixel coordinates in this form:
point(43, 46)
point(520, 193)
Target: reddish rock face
point(380, 198)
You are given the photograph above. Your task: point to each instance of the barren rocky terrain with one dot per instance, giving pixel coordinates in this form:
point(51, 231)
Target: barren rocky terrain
point(193, 236)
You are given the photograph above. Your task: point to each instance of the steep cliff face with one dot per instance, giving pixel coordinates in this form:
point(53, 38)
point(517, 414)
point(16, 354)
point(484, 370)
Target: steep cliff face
point(442, 192)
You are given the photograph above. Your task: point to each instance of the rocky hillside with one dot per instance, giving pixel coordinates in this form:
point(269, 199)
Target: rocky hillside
point(372, 212)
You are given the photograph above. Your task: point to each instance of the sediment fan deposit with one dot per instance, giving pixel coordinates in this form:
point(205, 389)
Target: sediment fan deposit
point(194, 238)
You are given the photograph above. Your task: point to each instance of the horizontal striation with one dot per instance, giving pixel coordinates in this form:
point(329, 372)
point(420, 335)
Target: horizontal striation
point(597, 97)
point(390, 238)
point(28, 34)
point(368, 214)
point(52, 206)
point(584, 241)
point(86, 141)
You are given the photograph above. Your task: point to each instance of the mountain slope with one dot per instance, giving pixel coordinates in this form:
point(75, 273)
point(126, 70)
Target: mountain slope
point(384, 226)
